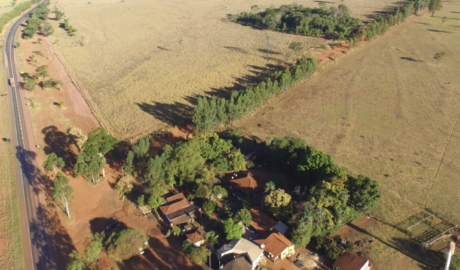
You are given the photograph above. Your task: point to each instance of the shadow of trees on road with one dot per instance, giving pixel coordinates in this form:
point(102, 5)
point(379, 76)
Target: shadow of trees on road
point(47, 235)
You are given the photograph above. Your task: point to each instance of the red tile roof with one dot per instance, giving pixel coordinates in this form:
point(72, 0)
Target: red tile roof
point(275, 244)
point(196, 236)
point(348, 261)
point(245, 184)
point(174, 203)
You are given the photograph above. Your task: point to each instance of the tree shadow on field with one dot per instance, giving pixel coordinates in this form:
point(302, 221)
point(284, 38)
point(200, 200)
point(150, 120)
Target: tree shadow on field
point(180, 114)
point(427, 260)
point(411, 59)
point(175, 114)
point(439, 31)
point(424, 23)
point(58, 142)
point(268, 51)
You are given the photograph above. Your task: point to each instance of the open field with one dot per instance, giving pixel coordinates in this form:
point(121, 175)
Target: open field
point(10, 229)
point(390, 111)
point(144, 62)
point(5, 5)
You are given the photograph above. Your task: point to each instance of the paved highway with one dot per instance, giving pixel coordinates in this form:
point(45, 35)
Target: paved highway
point(34, 238)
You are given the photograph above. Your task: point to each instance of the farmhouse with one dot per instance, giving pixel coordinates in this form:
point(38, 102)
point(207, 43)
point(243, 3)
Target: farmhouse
point(244, 185)
point(177, 209)
point(348, 261)
point(196, 236)
point(244, 247)
point(276, 246)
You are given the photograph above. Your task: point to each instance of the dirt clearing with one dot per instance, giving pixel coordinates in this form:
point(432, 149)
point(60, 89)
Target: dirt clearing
point(388, 110)
point(144, 62)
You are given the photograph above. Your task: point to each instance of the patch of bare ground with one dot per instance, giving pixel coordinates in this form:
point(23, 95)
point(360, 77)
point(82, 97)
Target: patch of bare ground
point(388, 110)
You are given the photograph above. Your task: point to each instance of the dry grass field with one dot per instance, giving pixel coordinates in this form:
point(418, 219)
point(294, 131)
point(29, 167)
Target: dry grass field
point(144, 62)
point(388, 110)
point(5, 5)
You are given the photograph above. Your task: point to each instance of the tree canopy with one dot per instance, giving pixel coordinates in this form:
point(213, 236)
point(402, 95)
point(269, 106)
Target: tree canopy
point(124, 244)
point(296, 19)
point(232, 229)
point(244, 216)
point(434, 5)
point(199, 255)
point(62, 191)
point(53, 161)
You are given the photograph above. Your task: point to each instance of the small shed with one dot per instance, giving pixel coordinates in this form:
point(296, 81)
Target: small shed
point(145, 209)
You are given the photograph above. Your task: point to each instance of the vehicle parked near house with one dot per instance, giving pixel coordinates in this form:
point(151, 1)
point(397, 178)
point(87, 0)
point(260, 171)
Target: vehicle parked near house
point(112, 224)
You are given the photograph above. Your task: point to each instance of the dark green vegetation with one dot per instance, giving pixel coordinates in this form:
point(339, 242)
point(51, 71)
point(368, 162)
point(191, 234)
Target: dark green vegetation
point(120, 245)
point(90, 160)
point(35, 21)
point(211, 114)
point(334, 22)
point(199, 255)
point(296, 19)
point(93, 248)
point(126, 243)
point(434, 5)
point(69, 28)
point(327, 197)
point(193, 165)
point(7, 17)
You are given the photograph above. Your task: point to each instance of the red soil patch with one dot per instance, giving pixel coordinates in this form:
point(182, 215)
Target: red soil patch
point(93, 205)
point(332, 52)
point(177, 135)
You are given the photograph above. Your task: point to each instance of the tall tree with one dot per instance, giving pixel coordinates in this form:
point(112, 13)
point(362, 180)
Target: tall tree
point(364, 193)
point(434, 5)
point(91, 158)
point(52, 162)
point(232, 229)
point(76, 261)
point(62, 191)
point(126, 243)
point(244, 216)
point(277, 202)
point(94, 247)
point(42, 71)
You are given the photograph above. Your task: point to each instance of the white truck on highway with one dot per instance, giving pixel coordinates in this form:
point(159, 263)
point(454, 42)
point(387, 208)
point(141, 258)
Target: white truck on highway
point(11, 80)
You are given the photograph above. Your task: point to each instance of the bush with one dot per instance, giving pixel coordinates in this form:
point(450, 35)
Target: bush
point(125, 244)
point(209, 206)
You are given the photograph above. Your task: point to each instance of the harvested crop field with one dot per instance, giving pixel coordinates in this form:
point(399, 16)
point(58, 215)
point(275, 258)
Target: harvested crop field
point(388, 110)
point(144, 62)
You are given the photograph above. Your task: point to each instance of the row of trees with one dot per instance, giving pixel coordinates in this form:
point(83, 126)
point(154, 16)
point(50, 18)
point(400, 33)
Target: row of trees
point(211, 114)
point(35, 21)
point(327, 196)
point(297, 19)
point(8, 16)
point(41, 73)
point(69, 28)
